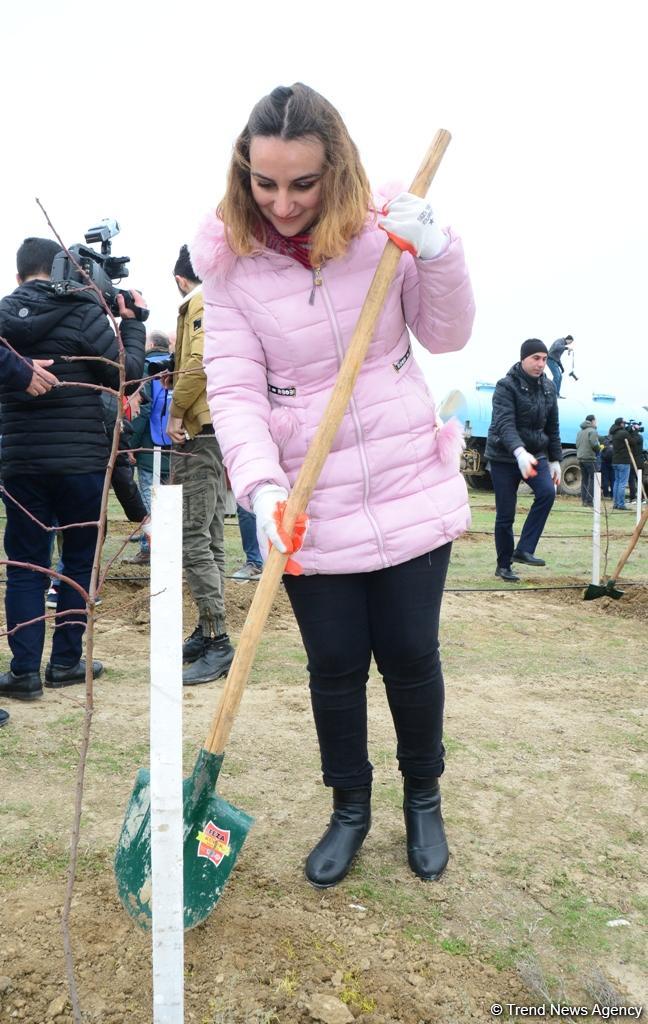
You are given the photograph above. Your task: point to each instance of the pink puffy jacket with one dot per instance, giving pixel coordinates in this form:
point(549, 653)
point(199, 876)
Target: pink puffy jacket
point(390, 489)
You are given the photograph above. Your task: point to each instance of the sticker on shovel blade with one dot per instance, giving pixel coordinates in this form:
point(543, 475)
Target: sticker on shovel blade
point(213, 843)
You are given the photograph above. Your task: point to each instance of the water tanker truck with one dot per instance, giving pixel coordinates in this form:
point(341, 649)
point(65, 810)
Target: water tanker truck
point(473, 408)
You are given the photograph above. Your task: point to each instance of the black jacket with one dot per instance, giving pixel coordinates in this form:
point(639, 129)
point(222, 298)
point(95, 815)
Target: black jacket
point(618, 435)
point(525, 415)
point(63, 431)
point(13, 372)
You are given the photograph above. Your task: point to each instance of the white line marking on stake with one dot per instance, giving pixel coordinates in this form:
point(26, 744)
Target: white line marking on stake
point(157, 465)
point(596, 532)
point(166, 756)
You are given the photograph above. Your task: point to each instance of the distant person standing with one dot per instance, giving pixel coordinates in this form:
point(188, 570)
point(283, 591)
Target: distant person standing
point(588, 447)
point(197, 464)
point(523, 444)
point(554, 359)
point(619, 434)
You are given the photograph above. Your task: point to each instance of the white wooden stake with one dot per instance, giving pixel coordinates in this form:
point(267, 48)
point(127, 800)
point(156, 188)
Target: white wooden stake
point(157, 465)
point(639, 483)
point(596, 532)
point(166, 756)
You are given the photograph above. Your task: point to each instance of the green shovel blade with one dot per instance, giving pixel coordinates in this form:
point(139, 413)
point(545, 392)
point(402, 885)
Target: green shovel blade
point(214, 832)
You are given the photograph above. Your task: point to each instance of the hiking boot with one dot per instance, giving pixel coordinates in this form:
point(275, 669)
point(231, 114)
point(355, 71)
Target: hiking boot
point(213, 663)
point(527, 558)
point(57, 676)
point(4, 717)
point(27, 686)
point(427, 846)
point(247, 572)
point(330, 859)
point(141, 558)
point(506, 573)
point(194, 645)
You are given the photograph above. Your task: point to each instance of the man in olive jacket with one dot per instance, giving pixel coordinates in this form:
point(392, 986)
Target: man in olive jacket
point(197, 464)
point(588, 447)
point(523, 443)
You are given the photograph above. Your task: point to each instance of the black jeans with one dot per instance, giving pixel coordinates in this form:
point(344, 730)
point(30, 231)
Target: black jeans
point(64, 500)
point(394, 615)
point(506, 479)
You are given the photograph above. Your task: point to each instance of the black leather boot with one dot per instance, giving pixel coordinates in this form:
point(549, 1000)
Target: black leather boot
point(427, 847)
point(329, 861)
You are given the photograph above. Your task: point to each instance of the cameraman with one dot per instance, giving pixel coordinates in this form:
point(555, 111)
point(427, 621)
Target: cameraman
point(619, 434)
point(635, 429)
point(54, 457)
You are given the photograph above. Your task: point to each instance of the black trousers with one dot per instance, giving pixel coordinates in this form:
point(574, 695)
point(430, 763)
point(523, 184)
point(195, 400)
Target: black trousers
point(506, 479)
point(394, 615)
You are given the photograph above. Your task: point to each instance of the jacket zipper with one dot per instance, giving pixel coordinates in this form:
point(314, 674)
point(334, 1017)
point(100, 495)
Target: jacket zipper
point(317, 281)
point(353, 408)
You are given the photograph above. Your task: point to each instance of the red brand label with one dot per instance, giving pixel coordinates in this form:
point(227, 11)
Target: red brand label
point(213, 843)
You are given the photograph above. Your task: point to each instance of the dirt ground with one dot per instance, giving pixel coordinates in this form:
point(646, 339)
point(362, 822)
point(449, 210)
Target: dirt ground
point(544, 800)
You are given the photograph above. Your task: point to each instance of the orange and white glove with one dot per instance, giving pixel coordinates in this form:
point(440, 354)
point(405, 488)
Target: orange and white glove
point(556, 472)
point(526, 462)
point(411, 224)
point(269, 506)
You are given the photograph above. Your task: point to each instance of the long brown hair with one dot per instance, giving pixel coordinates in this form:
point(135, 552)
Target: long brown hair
point(291, 112)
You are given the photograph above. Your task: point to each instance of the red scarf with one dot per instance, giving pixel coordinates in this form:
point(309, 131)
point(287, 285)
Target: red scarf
point(297, 246)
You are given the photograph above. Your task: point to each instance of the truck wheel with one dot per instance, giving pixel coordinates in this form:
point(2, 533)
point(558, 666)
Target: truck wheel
point(480, 482)
point(571, 476)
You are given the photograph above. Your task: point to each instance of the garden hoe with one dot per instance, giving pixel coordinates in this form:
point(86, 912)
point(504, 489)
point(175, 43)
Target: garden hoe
point(214, 831)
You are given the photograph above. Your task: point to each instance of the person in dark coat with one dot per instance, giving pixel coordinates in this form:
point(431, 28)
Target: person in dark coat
point(523, 444)
point(619, 434)
point(554, 359)
point(54, 455)
point(636, 447)
point(33, 377)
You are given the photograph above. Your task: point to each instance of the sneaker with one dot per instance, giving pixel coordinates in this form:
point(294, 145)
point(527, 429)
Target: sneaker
point(27, 686)
point(507, 574)
point(212, 664)
point(247, 572)
point(4, 717)
point(141, 558)
point(57, 676)
point(194, 645)
point(51, 601)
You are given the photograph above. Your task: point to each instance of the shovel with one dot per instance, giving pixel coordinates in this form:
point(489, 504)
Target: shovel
point(214, 831)
point(610, 589)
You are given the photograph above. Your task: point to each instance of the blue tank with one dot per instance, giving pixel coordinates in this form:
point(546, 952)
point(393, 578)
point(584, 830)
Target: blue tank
point(473, 408)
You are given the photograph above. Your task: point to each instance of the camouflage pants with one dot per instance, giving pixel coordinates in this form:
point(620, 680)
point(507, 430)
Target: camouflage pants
point(198, 466)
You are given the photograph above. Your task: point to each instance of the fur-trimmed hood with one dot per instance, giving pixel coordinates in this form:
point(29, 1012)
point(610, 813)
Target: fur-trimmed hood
point(211, 255)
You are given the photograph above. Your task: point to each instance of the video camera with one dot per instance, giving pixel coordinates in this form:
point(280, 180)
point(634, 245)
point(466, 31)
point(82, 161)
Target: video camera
point(635, 425)
point(102, 268)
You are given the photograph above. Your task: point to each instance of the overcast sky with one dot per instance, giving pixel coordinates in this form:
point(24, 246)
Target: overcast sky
point(130, 110)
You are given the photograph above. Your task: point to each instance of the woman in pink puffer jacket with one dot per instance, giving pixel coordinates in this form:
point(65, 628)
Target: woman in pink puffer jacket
point(286, 262)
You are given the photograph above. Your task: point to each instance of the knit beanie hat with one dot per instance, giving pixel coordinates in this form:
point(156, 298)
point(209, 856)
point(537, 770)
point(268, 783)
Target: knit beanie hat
point(531, 346)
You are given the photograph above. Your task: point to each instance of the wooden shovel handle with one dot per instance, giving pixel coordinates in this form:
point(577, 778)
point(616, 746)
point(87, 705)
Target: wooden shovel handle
point(631, 544)
point(311, 468)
